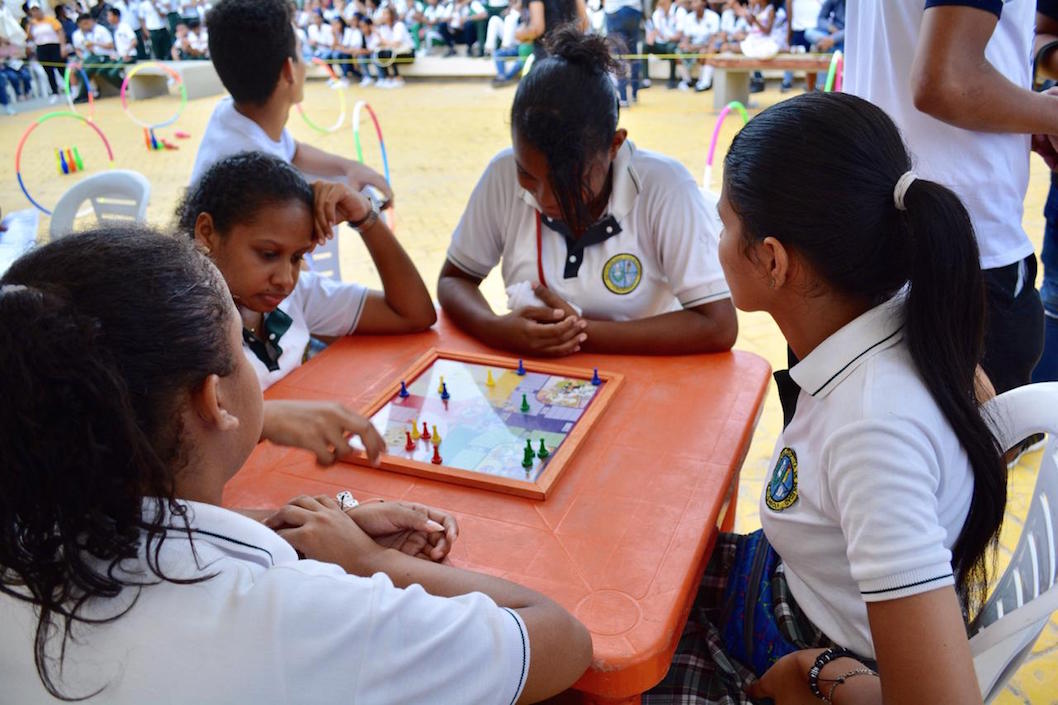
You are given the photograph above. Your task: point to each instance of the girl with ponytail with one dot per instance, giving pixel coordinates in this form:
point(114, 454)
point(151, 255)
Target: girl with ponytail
point(128, 404)
point(886, 489)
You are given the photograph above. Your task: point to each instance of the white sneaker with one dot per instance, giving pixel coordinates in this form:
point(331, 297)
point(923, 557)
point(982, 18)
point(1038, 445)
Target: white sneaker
point(397, 82)
point(683, 86)
point(384, 83)
point(9, 109)
point(366, 81)
point(53, 99)
point(332, 82)
point(342, 83)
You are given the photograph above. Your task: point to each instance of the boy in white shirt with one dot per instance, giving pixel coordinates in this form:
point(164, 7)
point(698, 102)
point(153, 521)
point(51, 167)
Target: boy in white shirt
point(125, 46)
point(266, 78)
point(699, 27)
point(95, 45)
point(152, 16)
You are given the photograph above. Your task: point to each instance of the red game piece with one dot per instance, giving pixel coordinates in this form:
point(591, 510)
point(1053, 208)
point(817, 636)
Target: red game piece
point(436, 459)
point(410, 445)
point(425, 432)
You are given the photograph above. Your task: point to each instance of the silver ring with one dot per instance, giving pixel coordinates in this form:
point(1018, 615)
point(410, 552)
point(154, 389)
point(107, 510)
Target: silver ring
point(346, 500)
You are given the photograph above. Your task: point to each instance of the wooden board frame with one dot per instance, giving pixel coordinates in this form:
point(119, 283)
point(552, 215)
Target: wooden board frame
point(555, 466)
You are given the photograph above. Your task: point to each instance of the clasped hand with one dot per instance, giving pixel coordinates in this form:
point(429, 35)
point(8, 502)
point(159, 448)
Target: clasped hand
point(554, 330)
point(318, 529)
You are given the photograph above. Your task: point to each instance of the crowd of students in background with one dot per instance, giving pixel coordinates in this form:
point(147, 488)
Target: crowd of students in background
point(92, 33)
point(367, 41)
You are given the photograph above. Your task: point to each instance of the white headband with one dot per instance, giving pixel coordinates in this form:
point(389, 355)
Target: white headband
point(902, 185)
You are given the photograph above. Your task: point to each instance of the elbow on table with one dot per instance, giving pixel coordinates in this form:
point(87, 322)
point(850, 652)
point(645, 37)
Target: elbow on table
point(422, 320)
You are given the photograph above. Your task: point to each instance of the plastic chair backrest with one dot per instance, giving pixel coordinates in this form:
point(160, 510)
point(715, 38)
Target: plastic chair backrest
point(117, 196)
point(1026, 595)
point(324, 259)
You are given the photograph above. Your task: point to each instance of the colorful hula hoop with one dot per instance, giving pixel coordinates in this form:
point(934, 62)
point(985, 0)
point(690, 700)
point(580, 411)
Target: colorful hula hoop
point(733, 105)
point(341, 99)
point(360, 105)
point(835, 73)
point(40, 121)
point(84, 81)
point(136, 68)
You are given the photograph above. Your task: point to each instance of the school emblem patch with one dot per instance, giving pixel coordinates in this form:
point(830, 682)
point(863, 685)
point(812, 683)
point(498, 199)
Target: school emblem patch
point(622, 273)
point(781, 492)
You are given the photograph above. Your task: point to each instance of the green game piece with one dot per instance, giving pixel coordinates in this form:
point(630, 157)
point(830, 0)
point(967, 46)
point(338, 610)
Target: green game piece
point(525, 405)
point(527, 459)
point(542, 453)
point(529, 448)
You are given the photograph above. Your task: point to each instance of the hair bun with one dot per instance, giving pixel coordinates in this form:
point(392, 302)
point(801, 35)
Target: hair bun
point(587, 50)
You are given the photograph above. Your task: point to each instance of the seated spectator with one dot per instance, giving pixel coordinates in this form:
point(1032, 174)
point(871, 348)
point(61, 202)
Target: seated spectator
point(434, 25)
point(348, 43)
point(394, 46)
point(199, 35)
point(733, 25)
point(319, 36)
point(802, 18)
point(510, 48)
point(829, 32)
point(13, 72)
point(466, 25)
point(663, 36)
point(184, 49)
point(95, 45)
point(700, 26)
point(125, 46)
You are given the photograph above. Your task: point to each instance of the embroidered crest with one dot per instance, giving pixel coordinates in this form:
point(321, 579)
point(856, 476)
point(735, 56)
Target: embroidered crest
point(781, 492)
point(622, 273)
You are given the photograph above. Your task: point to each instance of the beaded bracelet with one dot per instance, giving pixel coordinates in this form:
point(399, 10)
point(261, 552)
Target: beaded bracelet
point(829, 699)
point(822, 660)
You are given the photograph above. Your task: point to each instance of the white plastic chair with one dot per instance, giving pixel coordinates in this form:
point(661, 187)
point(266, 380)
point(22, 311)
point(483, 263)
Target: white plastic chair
point(1026, 595)
point(324, 259)
point(117, 197)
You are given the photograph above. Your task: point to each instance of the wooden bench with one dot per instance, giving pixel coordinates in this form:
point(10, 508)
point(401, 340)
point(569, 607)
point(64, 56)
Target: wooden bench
point(731, 81)
point(199, 77)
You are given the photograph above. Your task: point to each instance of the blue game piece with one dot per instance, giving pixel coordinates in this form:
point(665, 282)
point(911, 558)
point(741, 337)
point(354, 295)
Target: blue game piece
point(521, 369)
point(444, 391)
point(403, 390)
point(595, 377)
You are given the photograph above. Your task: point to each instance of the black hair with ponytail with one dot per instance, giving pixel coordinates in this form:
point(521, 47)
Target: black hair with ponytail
point(818, 173)
point(102, 334)
point(566, 108)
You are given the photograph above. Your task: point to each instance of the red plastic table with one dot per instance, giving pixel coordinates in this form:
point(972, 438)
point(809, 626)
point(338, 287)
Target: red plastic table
point(623, 537)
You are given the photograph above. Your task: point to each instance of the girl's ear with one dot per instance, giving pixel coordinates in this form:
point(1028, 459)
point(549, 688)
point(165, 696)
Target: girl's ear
point(209, 404)
point(775, 261)
point(206, 235)
point(619, 138)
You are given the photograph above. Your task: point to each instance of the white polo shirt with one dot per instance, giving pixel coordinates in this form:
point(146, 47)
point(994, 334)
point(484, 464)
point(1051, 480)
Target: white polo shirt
point(98, 35)
point(988, 171)
point(229, 132)
point(269, 628)
point(317, 306)
point(654, 251)
point(870, 487)
point(152, 15)
point(697, 30)
point(125, 41)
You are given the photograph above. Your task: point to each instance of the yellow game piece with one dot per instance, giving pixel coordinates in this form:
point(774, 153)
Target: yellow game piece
point(441, 385)
point(435, 437)
point(489, 381)
point(415, 435)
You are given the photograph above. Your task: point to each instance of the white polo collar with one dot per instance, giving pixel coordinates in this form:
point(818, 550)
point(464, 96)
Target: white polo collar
point(624, 190)
point(838, 356)
point(230, 532)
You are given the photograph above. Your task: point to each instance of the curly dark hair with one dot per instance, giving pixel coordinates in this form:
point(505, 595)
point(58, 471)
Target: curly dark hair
point(249, 41)
point(234, 189)
point(101, 335)
point(566, 108)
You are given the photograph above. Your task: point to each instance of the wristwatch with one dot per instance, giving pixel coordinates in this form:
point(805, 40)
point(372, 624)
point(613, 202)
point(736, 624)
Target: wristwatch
point(368, 220)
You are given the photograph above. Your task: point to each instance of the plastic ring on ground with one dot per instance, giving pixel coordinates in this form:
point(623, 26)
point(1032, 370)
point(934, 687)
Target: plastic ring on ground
point(136, 68)
point(40, 121)
point(732, 106)
point(84, 80)
point(360, 105)
point(341, 99)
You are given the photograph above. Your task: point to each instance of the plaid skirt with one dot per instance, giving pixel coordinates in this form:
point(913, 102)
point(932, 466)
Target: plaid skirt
point(743, 620)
